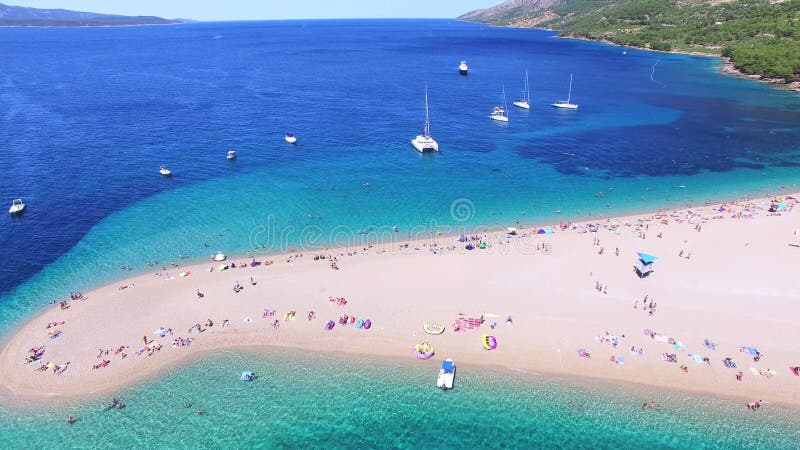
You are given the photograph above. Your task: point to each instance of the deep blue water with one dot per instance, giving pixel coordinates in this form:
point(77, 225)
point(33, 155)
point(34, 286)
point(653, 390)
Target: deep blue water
point(88, 115)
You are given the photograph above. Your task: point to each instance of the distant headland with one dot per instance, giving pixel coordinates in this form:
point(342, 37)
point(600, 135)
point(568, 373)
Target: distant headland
point(18, 16)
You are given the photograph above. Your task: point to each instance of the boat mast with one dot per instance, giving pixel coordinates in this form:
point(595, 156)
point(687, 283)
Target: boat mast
point(569, 95)
point(505, 107)
point(527, 88)
point(427, 131)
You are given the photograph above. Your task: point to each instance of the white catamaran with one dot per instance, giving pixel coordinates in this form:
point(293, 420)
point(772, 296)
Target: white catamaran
point(424, 142)
point(499, 112)
point(566, 103)
point(525, 101)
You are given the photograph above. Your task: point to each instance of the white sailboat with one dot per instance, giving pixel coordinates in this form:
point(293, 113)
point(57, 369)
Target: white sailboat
point(525, 102)
point(499, 112)
point(424, 142)
point(565, 104)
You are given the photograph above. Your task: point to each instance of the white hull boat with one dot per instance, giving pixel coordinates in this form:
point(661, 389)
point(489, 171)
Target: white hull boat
point(525, 101)
point(566, 104)
point(290, 138)
point(17, 205)
point(499, 112)
point(463, 68)
point(164, 171)
point(231, 154)
point(447, 375)
point(424, 142)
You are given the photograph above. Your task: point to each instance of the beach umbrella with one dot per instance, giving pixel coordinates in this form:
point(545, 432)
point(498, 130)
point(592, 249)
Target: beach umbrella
point(462, 238)
point(469, 247)
point(752, 351)
point(647, 259)
point(541, 231)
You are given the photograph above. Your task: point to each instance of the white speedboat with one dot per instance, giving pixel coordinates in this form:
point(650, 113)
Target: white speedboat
point(17, 205)
point(566, 104)
point(164, 171)
point(424, 142)
point(525, 101)
point(290, 138)
point(499, 112)
point(463, 68)
point(447, 375)
point(231, 154)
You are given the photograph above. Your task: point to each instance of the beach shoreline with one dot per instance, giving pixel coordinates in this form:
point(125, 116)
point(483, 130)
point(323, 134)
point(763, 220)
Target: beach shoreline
point(297, 283)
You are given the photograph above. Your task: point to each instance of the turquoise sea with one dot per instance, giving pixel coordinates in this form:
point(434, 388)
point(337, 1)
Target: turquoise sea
point(313, 400)
point(88, 115)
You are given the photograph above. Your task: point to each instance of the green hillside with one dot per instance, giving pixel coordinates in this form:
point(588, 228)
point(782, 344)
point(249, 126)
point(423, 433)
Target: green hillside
point(761, 37)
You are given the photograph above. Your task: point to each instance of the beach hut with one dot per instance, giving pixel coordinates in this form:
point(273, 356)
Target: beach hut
point(644, 265)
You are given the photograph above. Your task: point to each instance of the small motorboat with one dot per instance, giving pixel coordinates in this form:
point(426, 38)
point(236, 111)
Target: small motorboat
point(447, 375)
point(164, 171)
point(231, 154)
point(463, 68)
point(290, 138)
point(17, 205)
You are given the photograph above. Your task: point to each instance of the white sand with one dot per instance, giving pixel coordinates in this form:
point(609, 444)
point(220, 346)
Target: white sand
point(741, 287)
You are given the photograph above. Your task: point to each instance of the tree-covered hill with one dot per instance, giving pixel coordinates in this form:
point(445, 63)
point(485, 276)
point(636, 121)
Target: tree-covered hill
point(759, 36)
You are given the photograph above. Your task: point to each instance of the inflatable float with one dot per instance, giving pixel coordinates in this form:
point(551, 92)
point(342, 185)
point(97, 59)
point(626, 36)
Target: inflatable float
point(489, 342)
point(433, 328)
point(423, 350)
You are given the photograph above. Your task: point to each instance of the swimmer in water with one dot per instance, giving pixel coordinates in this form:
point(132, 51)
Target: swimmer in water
point(70, 420)
point(199, 411)
point(186, 404)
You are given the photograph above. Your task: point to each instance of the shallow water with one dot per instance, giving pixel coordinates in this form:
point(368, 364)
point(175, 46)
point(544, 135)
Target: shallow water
point(306, 399)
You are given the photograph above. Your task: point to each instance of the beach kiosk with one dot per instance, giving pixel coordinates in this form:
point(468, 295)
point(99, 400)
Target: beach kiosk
point(644, 265)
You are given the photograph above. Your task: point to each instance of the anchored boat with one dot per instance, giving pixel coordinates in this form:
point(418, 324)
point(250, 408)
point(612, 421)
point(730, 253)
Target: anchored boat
point(17, 205)
point(447, 375)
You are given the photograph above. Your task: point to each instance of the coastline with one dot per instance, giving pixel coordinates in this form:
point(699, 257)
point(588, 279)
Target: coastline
point(726, 65)
point(95, 26)
point(399, 328)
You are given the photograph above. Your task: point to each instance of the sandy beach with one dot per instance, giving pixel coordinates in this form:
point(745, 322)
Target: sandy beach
point(725, 280)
